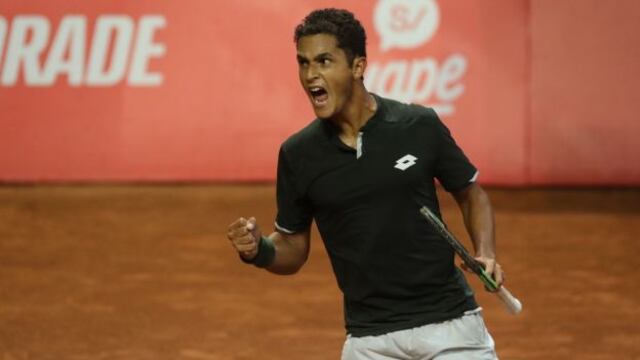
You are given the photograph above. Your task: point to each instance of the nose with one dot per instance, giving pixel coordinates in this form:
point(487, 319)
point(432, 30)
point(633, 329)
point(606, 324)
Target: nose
point(311, 73)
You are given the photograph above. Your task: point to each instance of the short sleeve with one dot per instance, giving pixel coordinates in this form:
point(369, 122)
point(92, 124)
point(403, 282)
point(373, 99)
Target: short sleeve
point(294, 210)
point(453, 168)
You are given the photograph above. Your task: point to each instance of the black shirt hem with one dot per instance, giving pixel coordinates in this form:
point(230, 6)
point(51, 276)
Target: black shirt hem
point(470, 304)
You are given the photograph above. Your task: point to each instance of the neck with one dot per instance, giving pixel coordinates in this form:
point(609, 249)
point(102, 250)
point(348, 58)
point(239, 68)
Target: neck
point(359, 108)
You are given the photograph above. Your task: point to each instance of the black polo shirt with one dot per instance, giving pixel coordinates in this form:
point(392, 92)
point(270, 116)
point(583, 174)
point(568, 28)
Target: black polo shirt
point(393, 269)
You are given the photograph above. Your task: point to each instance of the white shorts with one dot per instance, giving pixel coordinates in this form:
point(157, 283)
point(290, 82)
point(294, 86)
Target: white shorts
point(463, 338)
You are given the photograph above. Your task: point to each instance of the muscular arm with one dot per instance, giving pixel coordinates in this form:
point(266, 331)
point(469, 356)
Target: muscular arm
point(292, 251)
point(478, 219)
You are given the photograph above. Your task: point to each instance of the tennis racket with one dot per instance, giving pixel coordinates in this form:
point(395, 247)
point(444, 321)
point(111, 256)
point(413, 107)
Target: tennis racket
point(513, 305)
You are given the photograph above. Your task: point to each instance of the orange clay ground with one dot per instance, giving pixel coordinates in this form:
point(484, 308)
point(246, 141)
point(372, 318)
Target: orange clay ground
point(146, 272)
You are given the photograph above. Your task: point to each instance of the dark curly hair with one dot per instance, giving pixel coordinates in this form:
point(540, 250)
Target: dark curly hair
point(340, 23)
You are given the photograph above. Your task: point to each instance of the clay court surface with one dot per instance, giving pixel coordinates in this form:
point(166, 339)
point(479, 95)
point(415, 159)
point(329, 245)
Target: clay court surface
point(146, 272)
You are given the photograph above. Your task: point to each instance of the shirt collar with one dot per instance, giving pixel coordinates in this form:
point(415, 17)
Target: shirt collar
point(332, 130)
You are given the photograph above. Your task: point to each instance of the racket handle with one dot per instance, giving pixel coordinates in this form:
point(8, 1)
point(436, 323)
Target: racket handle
point(514, 306)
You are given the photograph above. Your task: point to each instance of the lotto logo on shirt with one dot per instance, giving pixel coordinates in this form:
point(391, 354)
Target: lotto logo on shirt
point(410, 25)
point(111, 50)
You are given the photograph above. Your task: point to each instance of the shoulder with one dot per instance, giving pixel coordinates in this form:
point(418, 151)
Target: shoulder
point(304, 138)
point(409, 114)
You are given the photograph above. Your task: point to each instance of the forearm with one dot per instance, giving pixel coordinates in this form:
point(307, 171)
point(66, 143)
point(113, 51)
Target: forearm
point(478, 219)
point(291, 252)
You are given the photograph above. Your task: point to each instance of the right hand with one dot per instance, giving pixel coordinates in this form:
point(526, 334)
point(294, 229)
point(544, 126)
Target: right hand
point(245, 235)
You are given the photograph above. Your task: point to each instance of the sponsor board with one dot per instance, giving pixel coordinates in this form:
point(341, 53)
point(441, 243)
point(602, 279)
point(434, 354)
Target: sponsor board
point(111, 50)
point(432, 81)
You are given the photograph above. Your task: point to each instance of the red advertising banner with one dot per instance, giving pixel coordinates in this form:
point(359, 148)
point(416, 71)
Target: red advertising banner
point(207, 90)
point(585, 98)
point(144, 90)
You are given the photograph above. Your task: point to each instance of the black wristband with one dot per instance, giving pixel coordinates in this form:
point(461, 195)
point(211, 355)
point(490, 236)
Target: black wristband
point(266, 254)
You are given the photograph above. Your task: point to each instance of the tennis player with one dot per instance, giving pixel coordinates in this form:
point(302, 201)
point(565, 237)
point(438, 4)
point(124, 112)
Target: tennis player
point(362, 170)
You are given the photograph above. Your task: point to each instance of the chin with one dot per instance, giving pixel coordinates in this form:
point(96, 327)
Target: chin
point(323, 113)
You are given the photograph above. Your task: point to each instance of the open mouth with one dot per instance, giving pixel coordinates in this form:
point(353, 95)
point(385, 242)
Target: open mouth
point(319, 95)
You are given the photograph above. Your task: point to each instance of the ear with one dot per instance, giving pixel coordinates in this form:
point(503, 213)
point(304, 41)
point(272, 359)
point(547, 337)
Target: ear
point(359, 66)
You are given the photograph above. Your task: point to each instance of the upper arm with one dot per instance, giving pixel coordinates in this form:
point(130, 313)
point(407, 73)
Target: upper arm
point(300, 240)
point(292, 251)
point(294, 209)
point(473, 193)
point(463, 195)
point(452, 168)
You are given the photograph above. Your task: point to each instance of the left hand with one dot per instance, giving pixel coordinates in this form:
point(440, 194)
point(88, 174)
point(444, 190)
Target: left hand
point(491, 267)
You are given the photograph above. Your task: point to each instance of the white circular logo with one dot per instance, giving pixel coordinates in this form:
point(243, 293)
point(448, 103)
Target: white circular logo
point(406, 24)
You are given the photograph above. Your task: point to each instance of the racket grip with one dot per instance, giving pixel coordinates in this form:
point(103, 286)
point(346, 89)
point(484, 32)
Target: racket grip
point(514, 306)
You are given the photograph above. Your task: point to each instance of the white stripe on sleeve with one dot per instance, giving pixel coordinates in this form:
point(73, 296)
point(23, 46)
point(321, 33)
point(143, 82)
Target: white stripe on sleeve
point(284, 230)
point(475, 176)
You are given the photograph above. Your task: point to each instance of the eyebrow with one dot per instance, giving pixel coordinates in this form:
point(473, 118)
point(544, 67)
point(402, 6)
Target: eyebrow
point(323, 55)
point(316, 58)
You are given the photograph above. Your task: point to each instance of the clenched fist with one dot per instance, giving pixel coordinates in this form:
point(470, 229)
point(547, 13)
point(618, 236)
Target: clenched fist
point(245, 235)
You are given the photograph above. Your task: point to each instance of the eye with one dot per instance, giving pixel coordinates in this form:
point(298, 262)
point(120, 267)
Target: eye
point(325, 61)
